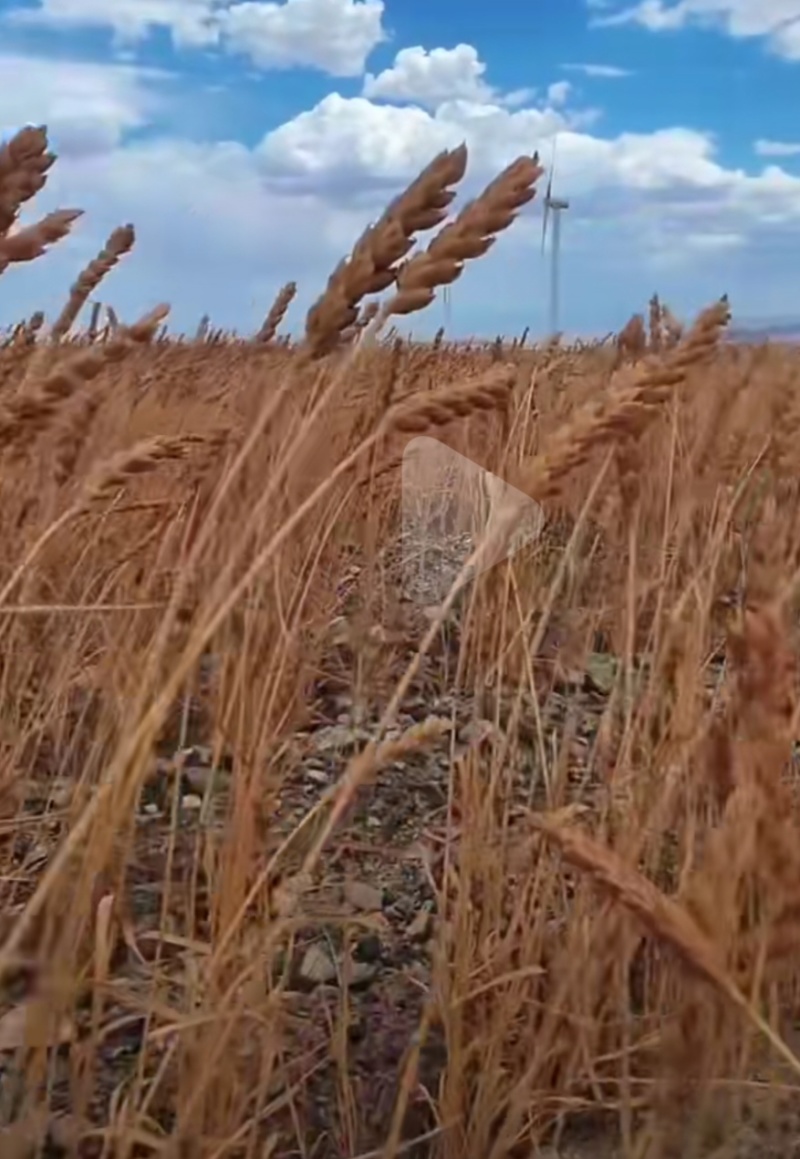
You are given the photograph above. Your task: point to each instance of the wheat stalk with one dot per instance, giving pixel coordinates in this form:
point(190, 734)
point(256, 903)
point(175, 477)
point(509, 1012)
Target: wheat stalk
point(277, 312)
point(119, 243)
point(372, 265)
point(419, 412)
point(28, 415)
point(30, 243)
point(24, 165)
point(470, 235)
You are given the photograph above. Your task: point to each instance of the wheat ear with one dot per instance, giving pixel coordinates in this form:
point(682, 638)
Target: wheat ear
point(488, 391)
point(28, 415)
point(372, 265)
point(626, 411)
point(277, 312)
point(30, 243)
point(73, 433)
point(119, 243)
point(663, 917)
point(470, 235)
point(24, 165)
point(141, 459)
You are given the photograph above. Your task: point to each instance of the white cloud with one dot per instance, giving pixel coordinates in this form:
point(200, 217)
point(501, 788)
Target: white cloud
point(87, 107)
point(364, 141)
point(432, 78)
point(205, 219)
point(190, 22)
point(517, 97)
point(601, 71)
point(220, 226)
point(558, 92)
point(335, 36)
point(766, 148)
point(776, 20)
point(357, 140)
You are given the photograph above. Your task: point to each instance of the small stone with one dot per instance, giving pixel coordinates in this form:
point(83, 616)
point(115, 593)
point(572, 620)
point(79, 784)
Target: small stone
point(198, 777)
point(338, 737)
point(152, 809)
point(316, 966)
point(419, 927)
point(61, 793)
point(191, 802)
point(475, 732)
point(363, 896)
point(361, 974)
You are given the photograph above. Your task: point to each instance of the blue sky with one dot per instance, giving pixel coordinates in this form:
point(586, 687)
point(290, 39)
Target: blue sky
point(249, 142)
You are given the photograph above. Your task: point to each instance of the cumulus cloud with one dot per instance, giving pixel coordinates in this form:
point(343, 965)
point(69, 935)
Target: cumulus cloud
point(190, 22)
point(221, 225)
point(378, 142)
point(767, 148)
point(88, 107)
point(432, 78)
point(335, 36)
point(776, 20)
point(211, 235)
point(353, 141)
point(558, 92)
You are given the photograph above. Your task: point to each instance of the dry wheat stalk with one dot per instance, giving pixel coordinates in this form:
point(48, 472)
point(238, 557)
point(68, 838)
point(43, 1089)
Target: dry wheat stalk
point(667, 920)
point(30, 243)
point(627, 410)
point(72, 434)
point(28, 415)
point(470, 235)
point(24, 164)
point(141, 459)
point(632, 339)
point(372, 265)
point(664, 918)
point(655, 322)
point(119, 243)
point(277, 312)
point(425, 409)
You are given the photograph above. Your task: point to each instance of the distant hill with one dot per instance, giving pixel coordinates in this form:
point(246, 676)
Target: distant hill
point(777, 331)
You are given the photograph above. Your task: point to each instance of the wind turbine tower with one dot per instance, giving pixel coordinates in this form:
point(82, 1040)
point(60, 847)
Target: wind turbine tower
point(555, 206)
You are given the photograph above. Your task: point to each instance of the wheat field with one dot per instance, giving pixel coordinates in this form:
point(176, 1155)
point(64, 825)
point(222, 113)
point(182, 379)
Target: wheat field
point(294, 863)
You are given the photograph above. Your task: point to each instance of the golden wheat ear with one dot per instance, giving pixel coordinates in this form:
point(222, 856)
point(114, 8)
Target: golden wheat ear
point(373, 264)
point(119, 243)
point(276, 313)
point(472, 234)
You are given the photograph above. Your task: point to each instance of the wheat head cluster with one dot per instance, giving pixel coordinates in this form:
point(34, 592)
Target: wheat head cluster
point(198, 545)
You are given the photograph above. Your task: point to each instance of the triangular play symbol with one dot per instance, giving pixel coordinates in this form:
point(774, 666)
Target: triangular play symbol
point(449, 506)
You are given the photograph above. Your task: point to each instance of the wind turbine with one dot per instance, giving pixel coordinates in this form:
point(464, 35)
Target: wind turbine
point(556, 206)
point(447, 306)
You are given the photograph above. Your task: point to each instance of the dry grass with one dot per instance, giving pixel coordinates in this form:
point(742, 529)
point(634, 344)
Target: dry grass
point(575, 778)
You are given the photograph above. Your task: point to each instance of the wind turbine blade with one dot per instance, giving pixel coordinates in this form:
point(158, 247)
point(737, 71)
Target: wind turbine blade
point(544, 218)
point(553, 160)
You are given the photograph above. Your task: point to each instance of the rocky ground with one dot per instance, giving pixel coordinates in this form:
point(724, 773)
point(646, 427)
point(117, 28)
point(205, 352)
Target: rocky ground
point(368, 918)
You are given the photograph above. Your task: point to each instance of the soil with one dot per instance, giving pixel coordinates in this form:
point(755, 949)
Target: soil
point(370, 913)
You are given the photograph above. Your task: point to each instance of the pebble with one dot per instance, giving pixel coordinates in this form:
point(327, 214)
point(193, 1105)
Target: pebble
point(317, 966)
point(363, 896)
point(191, 802)
point(419, 927)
